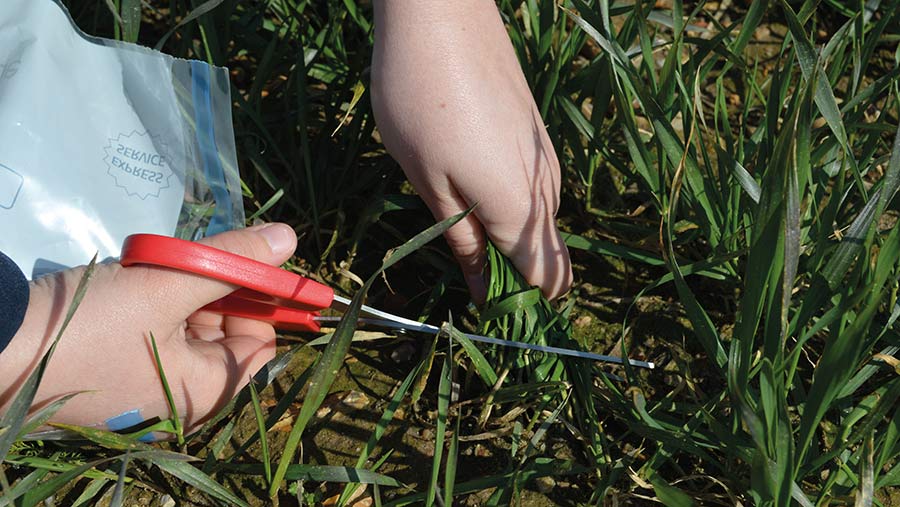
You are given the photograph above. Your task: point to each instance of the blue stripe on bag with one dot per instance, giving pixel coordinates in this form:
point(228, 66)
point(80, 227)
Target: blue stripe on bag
point(209, 155)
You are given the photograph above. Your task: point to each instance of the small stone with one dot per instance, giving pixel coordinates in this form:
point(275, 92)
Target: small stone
point(482, 451)
point(358, 498)
point(545, 484)
point(355, 400)
point(284, 424)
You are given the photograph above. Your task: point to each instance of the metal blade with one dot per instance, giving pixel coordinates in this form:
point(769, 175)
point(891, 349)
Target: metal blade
point(391, 321)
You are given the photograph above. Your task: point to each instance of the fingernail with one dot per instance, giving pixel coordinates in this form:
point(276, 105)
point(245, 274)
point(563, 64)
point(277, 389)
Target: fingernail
point(280, 238)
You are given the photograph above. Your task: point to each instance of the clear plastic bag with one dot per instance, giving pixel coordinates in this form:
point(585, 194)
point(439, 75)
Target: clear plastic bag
point(101, 139)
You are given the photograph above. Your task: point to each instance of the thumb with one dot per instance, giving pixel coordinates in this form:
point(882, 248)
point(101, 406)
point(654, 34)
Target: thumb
point(181, 293)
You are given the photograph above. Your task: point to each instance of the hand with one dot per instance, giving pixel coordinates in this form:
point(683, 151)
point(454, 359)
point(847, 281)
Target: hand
point(106, 349)
point(454, 109)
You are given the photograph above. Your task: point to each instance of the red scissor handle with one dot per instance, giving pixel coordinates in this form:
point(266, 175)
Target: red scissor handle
point(263, 281)
point(281, 317)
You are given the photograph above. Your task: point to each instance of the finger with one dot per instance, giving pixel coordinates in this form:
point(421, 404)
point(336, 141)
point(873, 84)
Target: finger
point(239, 326)
point(211, 326)
point(466, 240)
point(207, 334)
point(205, 318)
point(179, 294)
point(224, 368)
point(543, 259)
point(528, 236)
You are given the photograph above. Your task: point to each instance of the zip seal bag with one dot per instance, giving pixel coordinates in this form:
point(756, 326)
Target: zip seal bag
point(100, 139)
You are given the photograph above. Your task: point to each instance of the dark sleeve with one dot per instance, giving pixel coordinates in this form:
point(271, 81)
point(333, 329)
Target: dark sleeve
point(13, 299)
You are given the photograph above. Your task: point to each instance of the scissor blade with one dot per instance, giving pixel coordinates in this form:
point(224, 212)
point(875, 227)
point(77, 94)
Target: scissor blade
point(391, 321)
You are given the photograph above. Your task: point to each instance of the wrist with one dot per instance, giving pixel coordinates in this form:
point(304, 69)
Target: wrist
point(26, 348)
point(427, 17)
point(438, 9)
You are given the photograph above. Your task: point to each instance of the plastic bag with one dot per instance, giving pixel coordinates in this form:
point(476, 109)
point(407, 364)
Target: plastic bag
point(101, 139)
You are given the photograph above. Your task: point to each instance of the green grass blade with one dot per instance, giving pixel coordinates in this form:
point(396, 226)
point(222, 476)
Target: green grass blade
point(418, 386)
point(170, 399)
point(670, 496)
point(321, 473)
point(261, 428)
point(745, 179)
point(131, 20)
point(119, 491)
point(56, 464)
point(90, 492)
point(443, 410)
point(482, 365)
point(602, 247)
point(201, 9)
point(866, 495)
point(512, 304)
point(43, 415)
point(267, 206)
point(754, 16)
point(196, 478)
point(891, 181)
point(115, 441)
point(451, 465)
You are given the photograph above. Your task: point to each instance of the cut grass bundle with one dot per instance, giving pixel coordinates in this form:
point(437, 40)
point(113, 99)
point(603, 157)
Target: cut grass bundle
point(514, 310)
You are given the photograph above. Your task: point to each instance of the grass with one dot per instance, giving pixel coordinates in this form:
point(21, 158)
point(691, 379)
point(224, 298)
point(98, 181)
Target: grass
point(735, 166)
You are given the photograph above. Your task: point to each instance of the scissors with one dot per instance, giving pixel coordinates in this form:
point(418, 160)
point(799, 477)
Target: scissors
point(286, 300)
